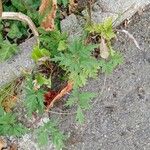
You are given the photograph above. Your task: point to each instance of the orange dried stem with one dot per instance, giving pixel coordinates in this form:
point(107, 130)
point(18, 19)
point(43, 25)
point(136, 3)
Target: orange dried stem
point(63, 92)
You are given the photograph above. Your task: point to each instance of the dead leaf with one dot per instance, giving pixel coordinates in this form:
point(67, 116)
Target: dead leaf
point(104, 51)
point(72, 6)
point(48, 21)
point(9, 102)
point(2, 144)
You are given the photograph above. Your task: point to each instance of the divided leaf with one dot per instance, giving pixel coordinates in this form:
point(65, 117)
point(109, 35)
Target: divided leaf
point(34, 98)
point(14, 32)
point(108, 66)
point(38, 53)
point(9, 126)
point(7, 50)
point(80, 116)
point(78, 62)
point(50, 128)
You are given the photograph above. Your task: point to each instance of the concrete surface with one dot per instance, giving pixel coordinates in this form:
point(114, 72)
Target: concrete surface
point(119, 10)
point(120, 118)
point(12, 68)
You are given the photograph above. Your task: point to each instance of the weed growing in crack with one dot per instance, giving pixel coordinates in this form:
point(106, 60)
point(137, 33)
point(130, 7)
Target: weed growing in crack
point(75, 60)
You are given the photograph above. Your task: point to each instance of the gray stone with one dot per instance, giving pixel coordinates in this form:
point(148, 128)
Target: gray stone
point(117, 9)
point(72, 26)
point(12, 68)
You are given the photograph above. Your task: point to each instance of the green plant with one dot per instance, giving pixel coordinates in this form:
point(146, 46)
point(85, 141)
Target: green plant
point(7, 50)
point(106, 33)
point(34, 100)
point(9, 125)
point(54, 41)
point(78, 62)
point(50, 128)
point(82, 101)
point(64, 2)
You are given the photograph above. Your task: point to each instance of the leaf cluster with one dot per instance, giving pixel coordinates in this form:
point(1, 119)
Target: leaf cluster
point(9, 125)
point(50, 128)
point(78, 62)
point(54, 41)
point(104, 29)
point(82, 101)
point(34, 100)
point(64, 2)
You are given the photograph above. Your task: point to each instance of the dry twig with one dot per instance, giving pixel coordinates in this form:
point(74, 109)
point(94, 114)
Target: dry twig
point(130, 37)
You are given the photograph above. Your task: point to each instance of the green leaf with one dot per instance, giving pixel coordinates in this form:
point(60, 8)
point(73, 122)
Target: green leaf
point(70, 102)
point(64, 2)
point(9, 126)
point(14, 32)
point(34, 98)
point(18, 4)
point(62, 45)
point(50, 128)
point(80, 116)
point(42, 137)
point(41, 80)
point(38, 53)
point(7, 50)
point(1, 111)
point(108, 66)
point(85, 98)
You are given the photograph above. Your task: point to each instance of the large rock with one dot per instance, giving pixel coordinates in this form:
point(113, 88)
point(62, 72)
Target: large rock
point(119, 10)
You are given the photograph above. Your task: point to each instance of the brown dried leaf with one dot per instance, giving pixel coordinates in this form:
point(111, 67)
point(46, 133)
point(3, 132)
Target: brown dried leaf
point(2, 144)
point(72, 6)
point(48, 21)
point(9, 102)
point(104, 51)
